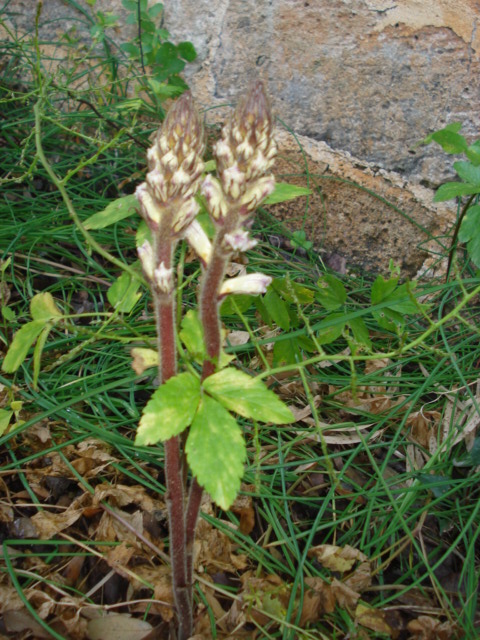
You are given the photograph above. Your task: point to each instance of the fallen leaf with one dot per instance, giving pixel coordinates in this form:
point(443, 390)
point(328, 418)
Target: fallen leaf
point(372, 619)
point(335, 558)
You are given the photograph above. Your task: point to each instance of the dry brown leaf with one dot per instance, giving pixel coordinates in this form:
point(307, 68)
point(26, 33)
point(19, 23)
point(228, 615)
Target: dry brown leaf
point(372, 619)
point(49, 524)
point(236, 338)
point(424, 428)
point(21, 620)
point(346, 597)
point(111, 528)
point(118, 557)
point(427, 628)
point(335, 558)
point(361, 578)
point(9, 599)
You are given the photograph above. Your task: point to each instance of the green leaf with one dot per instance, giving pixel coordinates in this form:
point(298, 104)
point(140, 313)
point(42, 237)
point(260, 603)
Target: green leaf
point(247, 396)
point(170, 410)
point(360, 332)
point(124, 293)
point(332, 333)
point(473, 153)
point(5, 417)
point(382, 288)
point(43, 307)
point(389, 320)
point(453, 190)
point(398, 298)
point(277, 309)
point(155, 10)
point(8, 313)
point(299, 239)
point(293, 292)
point(187, 51)
point(286, 352)
point(21, 343)
point(143, 233)
point(470, 226)
point(191, 334)
point(331, 293)
point(450, 141)
point(468, 172)
point(117, 210)
point(284, 191)
point(37, 353)
point(242, 302)
point(216, 452)
point(128, 47)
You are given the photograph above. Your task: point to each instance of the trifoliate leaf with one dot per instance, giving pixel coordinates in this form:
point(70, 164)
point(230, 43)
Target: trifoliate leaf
point(170, 410)
point(277, 309)
point(117, 210)
point(216, 451)
point(247, 396)
point(43, 307)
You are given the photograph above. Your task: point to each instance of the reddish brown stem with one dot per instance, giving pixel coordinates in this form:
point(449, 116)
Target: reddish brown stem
point(165, 320)
point(212, 280)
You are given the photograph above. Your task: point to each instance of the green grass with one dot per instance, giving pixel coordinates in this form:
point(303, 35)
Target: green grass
point(409, 504)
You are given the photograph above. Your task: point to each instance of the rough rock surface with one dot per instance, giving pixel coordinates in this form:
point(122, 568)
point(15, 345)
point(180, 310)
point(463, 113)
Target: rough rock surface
point(369, 79)
point(359, 216)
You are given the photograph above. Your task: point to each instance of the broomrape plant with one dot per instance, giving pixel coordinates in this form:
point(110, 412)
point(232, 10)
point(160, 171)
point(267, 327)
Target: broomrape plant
point(193, 412)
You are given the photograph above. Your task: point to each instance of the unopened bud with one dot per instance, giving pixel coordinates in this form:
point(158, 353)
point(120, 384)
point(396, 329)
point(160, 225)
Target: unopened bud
point(216, 203)
point(198, 240)
point(184, 215)
point(239, 240)
point(145, 253)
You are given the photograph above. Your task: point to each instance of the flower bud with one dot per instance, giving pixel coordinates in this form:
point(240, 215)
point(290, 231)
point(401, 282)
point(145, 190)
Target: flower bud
point(145, 253)
point(216, 203)
point(245, 152)
point(239, 240)
point(184, 215)
point(175, 163)
point(252, 284)
point(198, 240)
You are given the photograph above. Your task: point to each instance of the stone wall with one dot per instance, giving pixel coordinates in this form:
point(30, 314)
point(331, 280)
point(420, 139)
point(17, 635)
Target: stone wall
point(370, 77)
point(360, 82)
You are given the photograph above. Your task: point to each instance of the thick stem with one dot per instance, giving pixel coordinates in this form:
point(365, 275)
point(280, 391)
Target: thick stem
point(165, 320)
point(212, 281)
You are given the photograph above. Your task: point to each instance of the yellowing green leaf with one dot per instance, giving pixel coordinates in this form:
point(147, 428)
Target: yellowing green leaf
point(143, 359)
point(247, 396)
point(21, 343)
point(124, 293)
point(43, 307)
point(170, 410)
point(284, 191)
point(5, 417)
point(216, 452)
